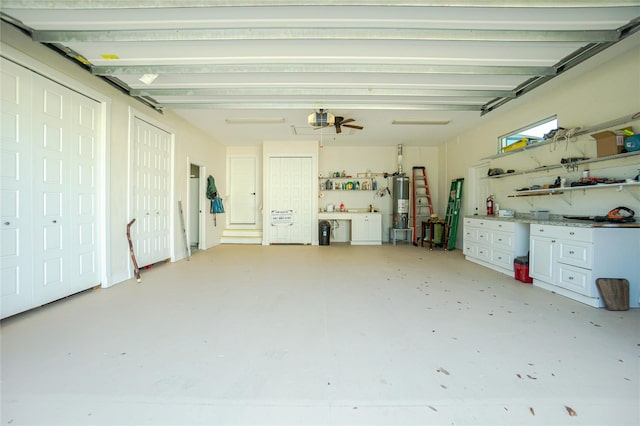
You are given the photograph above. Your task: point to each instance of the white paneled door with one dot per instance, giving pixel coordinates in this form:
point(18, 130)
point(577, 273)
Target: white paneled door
point(50, 187)
point(242, 184)
point(290, 200)
point(16, 201)
point(151, 171)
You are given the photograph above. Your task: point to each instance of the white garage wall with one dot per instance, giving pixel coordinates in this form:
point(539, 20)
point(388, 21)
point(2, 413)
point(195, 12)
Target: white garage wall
point(189, 143)
point(355, 160)
point(601, 89)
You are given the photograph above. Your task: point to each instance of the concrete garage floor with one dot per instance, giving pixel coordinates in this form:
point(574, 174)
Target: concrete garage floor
point(334, 335)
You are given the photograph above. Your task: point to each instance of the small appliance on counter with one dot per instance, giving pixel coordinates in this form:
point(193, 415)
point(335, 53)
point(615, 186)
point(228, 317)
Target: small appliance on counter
point(506, 213)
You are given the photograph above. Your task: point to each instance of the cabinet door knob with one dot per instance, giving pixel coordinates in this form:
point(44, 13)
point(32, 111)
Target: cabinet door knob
point(572, 233)
point(571, 278)
point(7, 223)
point(553, 241)
point(571, 252)
point(54, 221)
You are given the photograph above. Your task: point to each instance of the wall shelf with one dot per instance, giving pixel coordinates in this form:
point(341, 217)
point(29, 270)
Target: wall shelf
point(564, 166)
point(625, 186)
point(580, 132)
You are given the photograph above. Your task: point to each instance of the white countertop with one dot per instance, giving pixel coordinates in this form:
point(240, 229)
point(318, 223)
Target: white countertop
point(560, 221)
point(344, 215)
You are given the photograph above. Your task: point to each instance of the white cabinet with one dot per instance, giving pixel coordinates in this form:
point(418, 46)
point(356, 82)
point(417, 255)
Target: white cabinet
point(567, 260)
point(366, 229)
point(495, 243)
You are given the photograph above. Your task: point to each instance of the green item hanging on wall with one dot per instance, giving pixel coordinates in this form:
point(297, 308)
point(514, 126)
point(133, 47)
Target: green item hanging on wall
point(212, 191)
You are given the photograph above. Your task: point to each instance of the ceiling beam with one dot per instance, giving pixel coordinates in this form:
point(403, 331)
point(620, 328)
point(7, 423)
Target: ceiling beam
point(145, 4)
point(319, 91)
point(317, 105)
point(328, 33)
point(106, 70)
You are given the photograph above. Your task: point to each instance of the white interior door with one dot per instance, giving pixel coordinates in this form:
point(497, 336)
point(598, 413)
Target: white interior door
point(478, 189)
point(242, 191)
point(151, 192)
point(50, 137)
point(290, 200)
point(194, 211)
point(51, 109)
point(16, 277)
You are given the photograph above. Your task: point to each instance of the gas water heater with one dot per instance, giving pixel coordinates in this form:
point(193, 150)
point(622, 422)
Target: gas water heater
point(400, 196)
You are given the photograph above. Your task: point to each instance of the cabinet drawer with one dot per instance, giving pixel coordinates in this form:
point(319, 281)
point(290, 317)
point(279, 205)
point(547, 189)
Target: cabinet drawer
point(575, 279)
point(502, 258)
point(470, 250)
point(576, 253)
point(499, 225)
point(470, 234)
point(563, 232)
point(578, 234)
point(503, 240)
point(483, 253)
point(483, 236)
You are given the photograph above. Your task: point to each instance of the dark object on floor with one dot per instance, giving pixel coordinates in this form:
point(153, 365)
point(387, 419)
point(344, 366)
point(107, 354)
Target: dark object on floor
point(614, 292)
point(136, 270)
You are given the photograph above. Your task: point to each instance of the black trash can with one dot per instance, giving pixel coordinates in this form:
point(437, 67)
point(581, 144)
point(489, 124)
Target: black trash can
point(324, 237)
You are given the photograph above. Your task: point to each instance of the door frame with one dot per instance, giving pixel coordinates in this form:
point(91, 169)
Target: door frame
point(133, 115)
point(102, 153)
point(477, 189)
point(202, 208)
point(258, 216)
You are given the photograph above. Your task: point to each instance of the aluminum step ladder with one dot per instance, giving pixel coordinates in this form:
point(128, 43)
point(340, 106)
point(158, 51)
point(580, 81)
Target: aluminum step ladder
point(422, 205)
point(453, 214)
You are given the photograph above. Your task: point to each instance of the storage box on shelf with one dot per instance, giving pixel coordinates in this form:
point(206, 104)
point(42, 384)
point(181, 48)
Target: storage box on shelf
point(567, 260)
point(495, 243)
point(608, 145)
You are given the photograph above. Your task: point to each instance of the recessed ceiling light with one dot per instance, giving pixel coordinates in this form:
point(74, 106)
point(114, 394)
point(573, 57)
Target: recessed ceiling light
point(422, 122)
point(255, 120)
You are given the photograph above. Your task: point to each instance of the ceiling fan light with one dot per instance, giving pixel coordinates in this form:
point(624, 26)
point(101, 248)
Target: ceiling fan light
point(321, 119)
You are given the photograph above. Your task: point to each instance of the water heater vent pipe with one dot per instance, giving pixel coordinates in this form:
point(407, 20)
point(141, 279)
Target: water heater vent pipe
point(400, 159)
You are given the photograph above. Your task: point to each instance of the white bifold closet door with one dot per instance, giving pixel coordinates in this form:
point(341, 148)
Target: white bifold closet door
point(151, 171)
point(291, 200)
point(50, 137)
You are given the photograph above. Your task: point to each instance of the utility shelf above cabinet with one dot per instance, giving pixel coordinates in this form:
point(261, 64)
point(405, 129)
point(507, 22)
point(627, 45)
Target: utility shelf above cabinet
point(560, 191)
point(565, 165)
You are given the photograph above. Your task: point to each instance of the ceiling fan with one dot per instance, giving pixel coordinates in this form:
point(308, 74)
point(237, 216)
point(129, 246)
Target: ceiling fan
point(322, 119)
point(340, 121)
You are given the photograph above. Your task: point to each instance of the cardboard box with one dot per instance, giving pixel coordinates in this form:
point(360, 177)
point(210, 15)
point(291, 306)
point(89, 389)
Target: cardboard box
point(610, 142)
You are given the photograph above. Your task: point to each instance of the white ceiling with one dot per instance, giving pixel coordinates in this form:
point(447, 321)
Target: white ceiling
point(373, 61)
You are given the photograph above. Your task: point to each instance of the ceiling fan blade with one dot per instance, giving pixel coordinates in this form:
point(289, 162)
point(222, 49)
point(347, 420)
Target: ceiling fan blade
point(338, 129)
point(348, 120)
point(353, 126)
